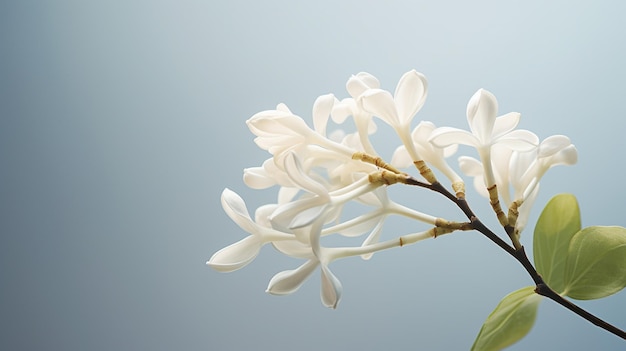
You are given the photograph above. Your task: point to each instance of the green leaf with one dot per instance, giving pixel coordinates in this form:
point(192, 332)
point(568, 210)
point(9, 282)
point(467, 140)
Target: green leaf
point(557, 224)
point(596, 264)
point(510, 321)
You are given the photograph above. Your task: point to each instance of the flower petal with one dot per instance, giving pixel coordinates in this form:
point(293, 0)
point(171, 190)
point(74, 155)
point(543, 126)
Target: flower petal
point(380, 103)
point(361, 82)
point(293, 248)
point(410, 95)
point(481, 114)
point(235, 208)
point(519, 140)
point(257, 178)
point(322, 107)
point(401, 158)
point(567, 156)
point(287, 282)
point(236, 256)
point(553, 144)
point(505, 123)
point(331, 288)
point(470, 166)
point(283, 217)
point(446, 136)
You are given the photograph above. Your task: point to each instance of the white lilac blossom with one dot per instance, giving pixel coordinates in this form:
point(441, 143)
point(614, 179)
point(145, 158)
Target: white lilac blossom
point(398, 110)
point(318, 171)
point(239, 254)
point(487, 130)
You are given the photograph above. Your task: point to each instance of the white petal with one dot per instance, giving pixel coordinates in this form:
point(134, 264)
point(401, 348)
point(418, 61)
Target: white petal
point(552, 145)
point(235, 256)
point(257, 178)
point(401, 158)
point(235, 208)
point(481, 114)
point(470, 166)
point(361, 82)
point(331, 288)
point(410, 95)
point(282, 218)
point(567, 156)
point(505, 123)
point(519, 140)
point(341, 110)
point(293, 248)
point(283, 107)
point(380, 103)
point(322, 107)
point(287, 282)
point(446, 136)
point(306, 217)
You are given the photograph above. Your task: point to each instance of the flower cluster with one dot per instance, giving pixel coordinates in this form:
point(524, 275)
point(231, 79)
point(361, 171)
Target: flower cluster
point(318, 172)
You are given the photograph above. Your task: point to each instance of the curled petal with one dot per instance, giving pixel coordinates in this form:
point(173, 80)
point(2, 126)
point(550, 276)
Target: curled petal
point(553, 144)
point(361, 82)
point(287, 282)
point(331, 288)
point(567, 156)
point(505, 123)
point(236, 256)
point(380, 103)
point(445, 136)
point(235, 208)
point(321, 111)
point(481, 114)
point(410, 95)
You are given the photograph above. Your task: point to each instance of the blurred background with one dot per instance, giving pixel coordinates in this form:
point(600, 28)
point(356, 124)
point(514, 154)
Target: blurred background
point(121, 122)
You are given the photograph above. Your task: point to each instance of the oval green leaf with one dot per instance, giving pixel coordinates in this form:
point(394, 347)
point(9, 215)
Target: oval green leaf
point(596, 264)
point(510, 321)
point(557, 224)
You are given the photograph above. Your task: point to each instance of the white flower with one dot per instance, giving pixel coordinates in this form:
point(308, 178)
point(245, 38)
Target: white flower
point(239, 254)
point(287, 282)
point(486, 131)
point(398, 110)
point(529, 167)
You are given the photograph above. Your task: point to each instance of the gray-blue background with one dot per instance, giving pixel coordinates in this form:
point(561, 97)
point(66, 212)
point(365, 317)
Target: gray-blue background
point(122, 121)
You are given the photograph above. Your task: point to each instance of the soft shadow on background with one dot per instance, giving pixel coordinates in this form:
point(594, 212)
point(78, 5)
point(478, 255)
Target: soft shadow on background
point(121, 122)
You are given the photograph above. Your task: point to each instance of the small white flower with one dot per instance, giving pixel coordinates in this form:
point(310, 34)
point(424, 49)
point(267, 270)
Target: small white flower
point(239, 254)
point(486, 131)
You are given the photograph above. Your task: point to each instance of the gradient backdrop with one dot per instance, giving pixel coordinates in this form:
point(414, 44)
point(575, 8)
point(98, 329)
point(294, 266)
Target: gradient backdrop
point(122, 121)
